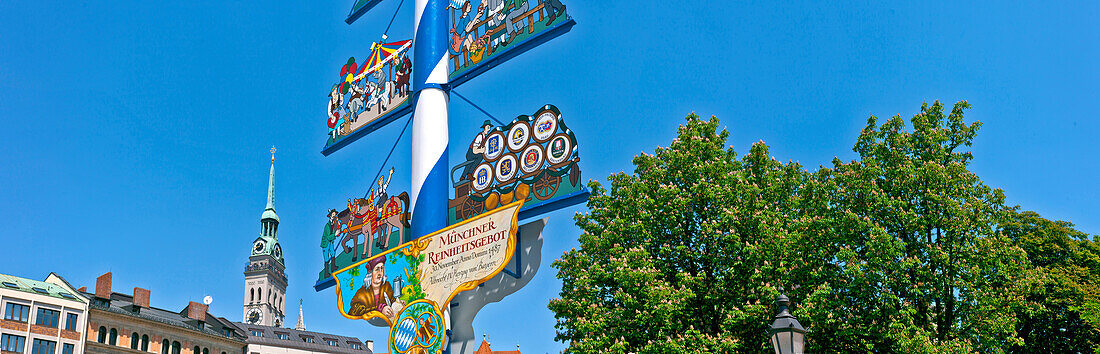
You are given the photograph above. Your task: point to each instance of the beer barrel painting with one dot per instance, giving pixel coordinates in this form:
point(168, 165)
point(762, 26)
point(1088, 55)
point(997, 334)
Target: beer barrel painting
point(533, 159)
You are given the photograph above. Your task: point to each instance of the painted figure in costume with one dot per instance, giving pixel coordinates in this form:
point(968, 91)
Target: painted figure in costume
point(463, 26)
point(403, 70)
point(378, 295)
point(332, 231)
point(477, 148)
point(381, 196)
point(495, 14)
point(335, 105)
point(380, 91)
point(356, 101)
point(554, 8)
point(510, 25)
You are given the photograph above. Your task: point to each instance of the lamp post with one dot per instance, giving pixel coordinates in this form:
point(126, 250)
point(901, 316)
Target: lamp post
point(786, 334)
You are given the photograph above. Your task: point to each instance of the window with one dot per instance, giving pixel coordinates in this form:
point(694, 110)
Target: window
point(47, 317)
point(196, 350)
point(144, 343)
point(67, 349)
point(40, 290)
point(17, 312)
point(102, 334)
point(205, 351)
point(331, 342)
point(261, 292)
point(134, 340)
point(355, 346)
point(113, 338)
point(71, 320)
point(164, 347)
point(11, 285)
point(41, 346)
point(68, 296)
point(307, 339)
point(257, 333)
point(12, 343)
point(175, 347)
point(252, 298)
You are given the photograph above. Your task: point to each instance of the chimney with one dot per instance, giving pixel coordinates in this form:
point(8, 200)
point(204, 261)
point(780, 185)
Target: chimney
point(196, 311)
point(141, 297)
point(103, 286)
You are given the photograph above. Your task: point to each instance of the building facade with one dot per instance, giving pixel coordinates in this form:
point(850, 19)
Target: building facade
point(126, 323)
point(46, 316)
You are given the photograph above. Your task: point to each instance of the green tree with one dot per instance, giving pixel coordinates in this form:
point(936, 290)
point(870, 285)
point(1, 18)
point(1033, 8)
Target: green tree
point(929, 264)
point(1062, 285)
point(684, 255)
point(901, 250)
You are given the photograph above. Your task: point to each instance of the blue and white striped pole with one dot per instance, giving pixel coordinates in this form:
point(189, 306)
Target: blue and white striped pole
point(429, 135)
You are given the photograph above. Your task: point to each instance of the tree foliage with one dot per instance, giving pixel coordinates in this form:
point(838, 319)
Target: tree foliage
point(901, 250)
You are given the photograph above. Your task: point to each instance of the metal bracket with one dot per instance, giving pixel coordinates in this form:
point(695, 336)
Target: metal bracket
point(518, 257)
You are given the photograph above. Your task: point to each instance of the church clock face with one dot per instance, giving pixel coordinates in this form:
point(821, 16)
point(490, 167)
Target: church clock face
point(258, 247)
point(254, 316)
point(278, 251)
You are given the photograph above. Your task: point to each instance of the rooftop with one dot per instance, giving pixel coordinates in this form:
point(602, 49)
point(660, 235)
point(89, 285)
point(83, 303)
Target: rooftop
point(295, 339)
point(123, 304)
point(10, 282)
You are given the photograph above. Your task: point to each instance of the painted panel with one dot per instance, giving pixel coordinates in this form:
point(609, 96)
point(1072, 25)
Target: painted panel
point(368, 94)
point(368, 226)
point(533, 159)
point(485, 33)
point(358, 8)
point(408, 286)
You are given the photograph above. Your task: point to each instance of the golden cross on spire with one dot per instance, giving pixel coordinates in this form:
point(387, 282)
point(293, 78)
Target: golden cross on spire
point(272, 153)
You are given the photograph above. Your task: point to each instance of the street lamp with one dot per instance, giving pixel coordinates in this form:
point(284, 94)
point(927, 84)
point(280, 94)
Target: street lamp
point(786, 334)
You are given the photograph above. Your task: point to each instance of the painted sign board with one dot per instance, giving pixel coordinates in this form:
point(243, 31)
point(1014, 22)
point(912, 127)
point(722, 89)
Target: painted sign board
point(360, 7)
point(371, 225)
point(409, 286)
point(534, 159)
point(368, 95)
point(485, 33)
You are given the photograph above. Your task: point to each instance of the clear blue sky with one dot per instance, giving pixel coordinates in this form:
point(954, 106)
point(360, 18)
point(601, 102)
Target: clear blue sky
point(134, 136)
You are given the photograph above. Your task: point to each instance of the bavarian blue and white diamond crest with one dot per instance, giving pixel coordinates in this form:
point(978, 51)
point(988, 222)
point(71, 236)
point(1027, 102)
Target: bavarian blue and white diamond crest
point(405, 334)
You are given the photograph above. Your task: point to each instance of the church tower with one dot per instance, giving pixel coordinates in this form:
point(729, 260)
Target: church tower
point(264, 276)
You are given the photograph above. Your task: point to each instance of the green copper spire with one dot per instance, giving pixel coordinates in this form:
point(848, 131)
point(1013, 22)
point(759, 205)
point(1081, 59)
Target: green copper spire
point(269, 219)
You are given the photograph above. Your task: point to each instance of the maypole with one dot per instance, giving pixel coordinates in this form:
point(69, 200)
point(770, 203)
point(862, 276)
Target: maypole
point(429, 135)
